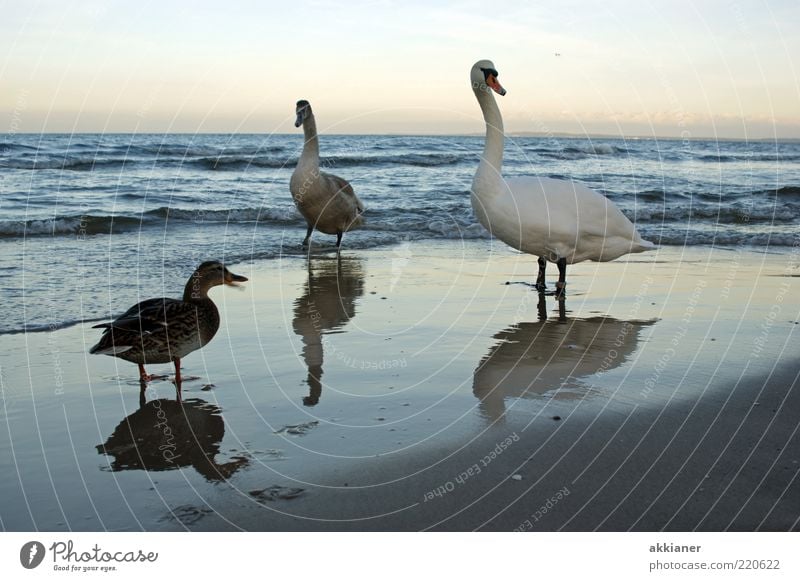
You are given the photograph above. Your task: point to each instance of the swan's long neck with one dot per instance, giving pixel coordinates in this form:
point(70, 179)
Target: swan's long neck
point(492, 158)
point(310, 153)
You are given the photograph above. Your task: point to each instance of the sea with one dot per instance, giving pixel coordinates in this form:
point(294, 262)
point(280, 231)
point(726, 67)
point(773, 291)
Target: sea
point(92, 223)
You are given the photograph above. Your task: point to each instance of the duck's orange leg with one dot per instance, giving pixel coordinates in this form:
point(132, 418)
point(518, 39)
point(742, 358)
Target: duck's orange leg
point(143, 374)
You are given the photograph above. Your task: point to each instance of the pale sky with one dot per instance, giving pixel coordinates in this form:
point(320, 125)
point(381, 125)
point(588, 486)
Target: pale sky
point(646, 67)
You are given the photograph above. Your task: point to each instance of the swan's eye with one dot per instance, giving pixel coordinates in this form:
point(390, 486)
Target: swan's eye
point(490, 73)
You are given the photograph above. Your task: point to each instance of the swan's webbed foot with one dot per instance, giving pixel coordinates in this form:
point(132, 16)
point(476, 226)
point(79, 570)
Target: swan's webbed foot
point(540, 286)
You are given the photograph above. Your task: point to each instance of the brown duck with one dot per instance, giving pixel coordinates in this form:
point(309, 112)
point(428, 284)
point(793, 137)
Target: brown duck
point(166, 330)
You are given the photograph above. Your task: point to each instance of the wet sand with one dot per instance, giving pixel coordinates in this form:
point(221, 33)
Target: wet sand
point(411, 388)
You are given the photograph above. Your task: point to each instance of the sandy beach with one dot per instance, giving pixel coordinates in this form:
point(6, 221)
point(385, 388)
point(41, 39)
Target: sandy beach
point(425, 386)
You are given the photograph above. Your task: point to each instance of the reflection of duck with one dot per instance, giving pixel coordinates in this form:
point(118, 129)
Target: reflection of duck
point(165, 434)
point(327, 303)
point(531, 359)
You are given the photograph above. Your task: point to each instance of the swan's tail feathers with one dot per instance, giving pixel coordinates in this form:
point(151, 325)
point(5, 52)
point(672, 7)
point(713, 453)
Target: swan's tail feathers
point(358, 220)
point(643, 245)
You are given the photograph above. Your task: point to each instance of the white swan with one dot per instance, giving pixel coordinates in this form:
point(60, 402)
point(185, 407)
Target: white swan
point(326, 201)
point(557, 220)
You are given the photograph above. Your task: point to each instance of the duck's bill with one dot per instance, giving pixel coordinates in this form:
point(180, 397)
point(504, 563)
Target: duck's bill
point(299, 121)
point(234, 279)
point(493, 83)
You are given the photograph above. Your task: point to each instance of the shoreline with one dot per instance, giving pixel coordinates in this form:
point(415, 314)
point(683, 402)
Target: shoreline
point(328, 249)
point(410, 387)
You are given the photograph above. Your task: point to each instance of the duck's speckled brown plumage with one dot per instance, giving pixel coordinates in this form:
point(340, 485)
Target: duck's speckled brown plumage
point(164, 330)
point(160, 330)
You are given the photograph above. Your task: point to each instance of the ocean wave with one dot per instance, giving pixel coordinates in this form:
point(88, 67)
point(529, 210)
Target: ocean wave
point(672, 237)
point(88, 163)
point(194, 150)
point(574, 152)
point(785, 191)
point(714, 214)
point(453, 220)
point(716, 158)
point(223, 162)
point(10, 146)
point(236, 162)
point(654, 195)
point(76, 225)
point(159, 217)
point(413, 159)
point(453, 216)
point(282, 215)
point(776, 157)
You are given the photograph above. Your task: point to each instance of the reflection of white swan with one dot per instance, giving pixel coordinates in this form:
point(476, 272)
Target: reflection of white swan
point(327, 303)
point(533, 359)
point(326, 201)
point(558, 220)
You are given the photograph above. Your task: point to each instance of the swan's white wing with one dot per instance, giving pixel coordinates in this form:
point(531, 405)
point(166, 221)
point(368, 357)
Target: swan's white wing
point(559, 218)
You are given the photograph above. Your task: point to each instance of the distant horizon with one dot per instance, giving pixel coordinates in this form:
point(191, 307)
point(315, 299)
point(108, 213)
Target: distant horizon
point(554, 135)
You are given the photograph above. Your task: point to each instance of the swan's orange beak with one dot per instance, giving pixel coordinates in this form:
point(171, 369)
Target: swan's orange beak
point(491, 81)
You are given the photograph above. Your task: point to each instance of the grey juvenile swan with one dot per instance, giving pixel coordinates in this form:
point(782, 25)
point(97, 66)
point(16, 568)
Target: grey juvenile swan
point(326, 201)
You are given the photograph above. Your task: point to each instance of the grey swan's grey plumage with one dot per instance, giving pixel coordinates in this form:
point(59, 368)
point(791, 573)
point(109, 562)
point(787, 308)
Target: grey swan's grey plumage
point(557, 220)
point(165, 330)
point(327, 202)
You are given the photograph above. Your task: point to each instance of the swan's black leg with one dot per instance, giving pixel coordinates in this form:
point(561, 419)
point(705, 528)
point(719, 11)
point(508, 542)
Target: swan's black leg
point(562, 310)
point(338, 238)
point(562, 278)
point(540, 284)
point(308, 236)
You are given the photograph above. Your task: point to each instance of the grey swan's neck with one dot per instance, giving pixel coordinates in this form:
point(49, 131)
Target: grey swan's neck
point(310, 153)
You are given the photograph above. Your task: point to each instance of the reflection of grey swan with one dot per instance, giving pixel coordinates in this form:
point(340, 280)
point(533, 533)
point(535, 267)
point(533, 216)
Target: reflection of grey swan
point(327, 303)
point(557, 220)
point(326, 201)
point(165, 330)
point(164, 435)
point(531, 359)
